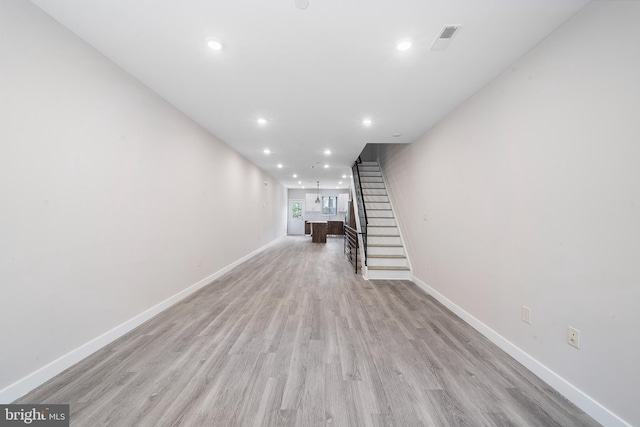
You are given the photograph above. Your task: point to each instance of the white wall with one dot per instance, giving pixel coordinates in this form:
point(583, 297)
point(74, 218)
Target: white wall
point(112, 200)
point(532, 194)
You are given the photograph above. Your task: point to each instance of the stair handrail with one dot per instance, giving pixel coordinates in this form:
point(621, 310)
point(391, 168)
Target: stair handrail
point(356, 170)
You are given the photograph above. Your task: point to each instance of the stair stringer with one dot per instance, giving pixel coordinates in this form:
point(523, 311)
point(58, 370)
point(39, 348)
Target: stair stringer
point(371, 272)
point(395, 216)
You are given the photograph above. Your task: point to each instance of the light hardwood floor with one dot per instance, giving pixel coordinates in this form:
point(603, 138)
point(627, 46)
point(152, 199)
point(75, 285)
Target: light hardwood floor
point(293, 337)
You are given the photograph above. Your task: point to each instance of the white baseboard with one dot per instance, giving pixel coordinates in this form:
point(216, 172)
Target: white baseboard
point(42, 375)
point(572, 393)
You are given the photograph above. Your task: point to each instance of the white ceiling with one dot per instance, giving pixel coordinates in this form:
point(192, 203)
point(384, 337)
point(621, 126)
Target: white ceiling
point(316, 73)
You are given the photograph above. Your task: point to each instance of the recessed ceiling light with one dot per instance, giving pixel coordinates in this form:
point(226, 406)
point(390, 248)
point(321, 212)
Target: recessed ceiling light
point(404, 45)
point(344, 176)
point(295, 175)
point(302, 4)
point(367, 122)
point(299, 182)
point(326, 166)
point(266, 151)
point(279, 165)
point(215, 45)
point(262, 121)
point(327, 152)
point(340, 183)
point(303, 186)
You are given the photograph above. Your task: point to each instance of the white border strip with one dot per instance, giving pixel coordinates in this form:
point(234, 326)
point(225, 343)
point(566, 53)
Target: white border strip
point(568, 390)
point(44, 374)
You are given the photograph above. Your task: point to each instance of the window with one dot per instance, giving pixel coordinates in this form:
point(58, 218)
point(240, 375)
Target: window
point(296, 210)
point(329, 205)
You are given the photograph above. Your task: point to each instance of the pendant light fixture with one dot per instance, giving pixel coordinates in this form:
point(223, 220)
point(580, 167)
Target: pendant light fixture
point(318, 196)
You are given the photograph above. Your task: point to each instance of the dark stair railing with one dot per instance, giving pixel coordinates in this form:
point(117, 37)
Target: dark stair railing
point(362, 210)
point(351, 246)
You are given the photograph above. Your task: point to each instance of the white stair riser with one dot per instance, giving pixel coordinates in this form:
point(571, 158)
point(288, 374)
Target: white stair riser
point(364, 179)
point(377, 185)
point(386, 262)
point(392, 231)
point(384, 240)
point(385, 250)
point(388, 275)
point(387, 222)
point(379, 214)
point(376, 205)
point(382, 229)
point(374, 191)
point(375, 198)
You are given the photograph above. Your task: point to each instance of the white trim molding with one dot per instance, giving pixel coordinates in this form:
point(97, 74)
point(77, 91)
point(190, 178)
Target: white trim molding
point(583, 401)
point(42, 375)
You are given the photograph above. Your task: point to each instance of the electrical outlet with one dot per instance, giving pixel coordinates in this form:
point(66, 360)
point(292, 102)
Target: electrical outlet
point(573, 337)
point(526, 314)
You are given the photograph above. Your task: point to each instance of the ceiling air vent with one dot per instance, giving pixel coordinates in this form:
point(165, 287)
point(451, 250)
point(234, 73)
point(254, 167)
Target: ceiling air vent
point(447, 33)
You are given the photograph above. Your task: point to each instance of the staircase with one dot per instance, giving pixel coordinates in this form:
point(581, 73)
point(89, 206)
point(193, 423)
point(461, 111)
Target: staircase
point(386, 257)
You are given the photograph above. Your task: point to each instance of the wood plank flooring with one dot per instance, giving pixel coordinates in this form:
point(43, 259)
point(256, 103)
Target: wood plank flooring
point(294, 338)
